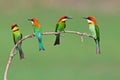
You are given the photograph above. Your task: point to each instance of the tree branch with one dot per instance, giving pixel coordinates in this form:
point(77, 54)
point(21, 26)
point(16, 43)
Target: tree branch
point(31, 36)
point(12, 54)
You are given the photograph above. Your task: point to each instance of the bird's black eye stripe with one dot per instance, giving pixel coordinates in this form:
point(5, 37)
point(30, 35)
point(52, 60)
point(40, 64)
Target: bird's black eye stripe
point(66, 17)
point(30, 19)
point(88, 18)
point(14, 26)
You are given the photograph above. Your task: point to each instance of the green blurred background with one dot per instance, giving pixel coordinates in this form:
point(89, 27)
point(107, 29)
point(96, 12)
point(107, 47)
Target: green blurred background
point(73, 59)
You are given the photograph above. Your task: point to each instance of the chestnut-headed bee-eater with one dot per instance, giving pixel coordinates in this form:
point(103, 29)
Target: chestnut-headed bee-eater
point(60, 26)
point(37, 32)
point(17, 35)
point(93, 27)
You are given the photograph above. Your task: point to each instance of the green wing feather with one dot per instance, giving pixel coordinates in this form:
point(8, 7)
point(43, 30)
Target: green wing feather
point(97, 33)
point(97, 40)
point(60, 27)
point(14, 38)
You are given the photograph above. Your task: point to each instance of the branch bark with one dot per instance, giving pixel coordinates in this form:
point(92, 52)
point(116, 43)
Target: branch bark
point(12, 53)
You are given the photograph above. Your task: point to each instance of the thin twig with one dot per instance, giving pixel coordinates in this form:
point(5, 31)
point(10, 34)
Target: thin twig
point(31, 36)
point(72, 32)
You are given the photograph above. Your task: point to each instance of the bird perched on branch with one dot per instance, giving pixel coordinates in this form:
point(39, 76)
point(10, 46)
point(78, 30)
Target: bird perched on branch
point(60, 26)
point(17, 35)
point(37, 32)
point(93, 27)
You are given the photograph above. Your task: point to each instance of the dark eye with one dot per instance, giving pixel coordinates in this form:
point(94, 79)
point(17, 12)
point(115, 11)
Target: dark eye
point(32, 20)
point(66, 17)
point(88, 18)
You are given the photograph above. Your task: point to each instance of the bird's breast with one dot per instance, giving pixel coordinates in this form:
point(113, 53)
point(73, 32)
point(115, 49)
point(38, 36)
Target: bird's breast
point(92, 29)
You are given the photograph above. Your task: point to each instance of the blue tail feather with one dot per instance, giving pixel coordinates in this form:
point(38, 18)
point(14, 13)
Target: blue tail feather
point(40, 45)
point(20, 52)
point(39, 37)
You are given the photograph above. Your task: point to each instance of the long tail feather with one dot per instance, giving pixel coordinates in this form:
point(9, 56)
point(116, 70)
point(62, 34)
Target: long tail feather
point(40, 45)
point(57, 40)
point(97, 47)
point(20, 52)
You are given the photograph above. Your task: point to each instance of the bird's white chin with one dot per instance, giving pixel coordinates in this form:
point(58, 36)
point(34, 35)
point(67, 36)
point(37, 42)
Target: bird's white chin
point(64, 19)
point(32, 22)
point(89, 21)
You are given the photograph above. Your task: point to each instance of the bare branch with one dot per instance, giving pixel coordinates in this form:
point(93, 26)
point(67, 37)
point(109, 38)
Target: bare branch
point(72, 32)
point(31, 36)
point(12, 54)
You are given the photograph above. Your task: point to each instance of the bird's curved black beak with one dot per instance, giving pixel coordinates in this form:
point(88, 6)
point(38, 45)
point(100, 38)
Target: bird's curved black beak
point(69, 17)
point(84, 17)
point(29, 19)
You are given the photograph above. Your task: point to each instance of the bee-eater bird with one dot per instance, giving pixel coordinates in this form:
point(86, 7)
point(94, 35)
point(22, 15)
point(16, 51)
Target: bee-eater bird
point(17, 35)
point(60, 26)
point(93, 27)
point(37, 32)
